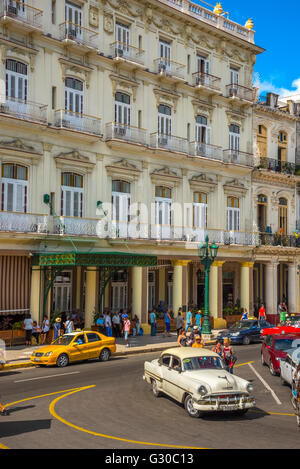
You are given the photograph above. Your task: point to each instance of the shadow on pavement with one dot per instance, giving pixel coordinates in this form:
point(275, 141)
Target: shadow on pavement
point(18, 428)
point(11, 410)
point(9, 373)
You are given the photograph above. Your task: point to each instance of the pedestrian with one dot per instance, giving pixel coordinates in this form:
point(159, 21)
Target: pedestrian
point(244, 315)
point(36, 332)
point(181, 340)
point(262, 313)
point(198, 343)
point(28, 322)
point(189, 320)
point(3, 411)
point(153, 322)
point(107, 323)
point(127, 326)
point(179, 322)
point(45, 329)
point(198, 319)
point(228, 356)
point(167, 323)
point(137, 324)
point(100, 324)
point(57, 328)
point(116, 324)
point(69, 325)
point(218, 348)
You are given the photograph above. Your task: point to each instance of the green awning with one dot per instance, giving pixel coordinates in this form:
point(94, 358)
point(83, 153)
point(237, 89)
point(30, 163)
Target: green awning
point(97, 259)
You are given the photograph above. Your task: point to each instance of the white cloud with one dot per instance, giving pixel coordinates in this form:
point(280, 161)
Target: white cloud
point(267, 86)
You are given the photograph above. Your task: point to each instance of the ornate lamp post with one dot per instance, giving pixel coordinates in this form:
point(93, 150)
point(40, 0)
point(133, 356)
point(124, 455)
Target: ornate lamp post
point(207, 256)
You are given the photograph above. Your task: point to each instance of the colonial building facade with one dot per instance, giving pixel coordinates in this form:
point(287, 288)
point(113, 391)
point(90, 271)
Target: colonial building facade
point(127, 136)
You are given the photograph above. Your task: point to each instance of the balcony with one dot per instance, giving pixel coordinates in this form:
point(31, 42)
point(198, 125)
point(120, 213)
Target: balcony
point(77, 121)
point(208, 84)
point(204, 150)
point(278, 240)
point(23, 222)
point(242, 93)
point(73, 35)
point(76, 226)
point(238, 157)
point(168, 142)
point(126, 133)
point(23, 16)
point(169, 70)
point(128, 56)
point(277, 166)
point(23, 109)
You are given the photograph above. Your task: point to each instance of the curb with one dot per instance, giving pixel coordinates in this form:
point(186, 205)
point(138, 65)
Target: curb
point(117, 354)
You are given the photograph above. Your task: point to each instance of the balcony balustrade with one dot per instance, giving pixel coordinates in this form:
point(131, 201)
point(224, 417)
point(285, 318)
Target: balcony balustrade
point(69, 31)
point(279, 240)
point(205, 80)
point(169, 68)
point(205, 150)
point(169, 142)
point(19, 11)
point(23, 222)
point(23, 109)
point(271, 164)
point(238, 157)
point(126, 133)
point(121, 50)
point(77, 121)
point(240, 92)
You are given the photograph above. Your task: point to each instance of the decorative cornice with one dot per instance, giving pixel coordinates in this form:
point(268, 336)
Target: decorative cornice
point(274, 178)
point(166, 96)
point(203, 183)
point(74, 160)
point(235, 188)
point(18, 148)
point(124, 170)
point(124, 84)
point(165, 176)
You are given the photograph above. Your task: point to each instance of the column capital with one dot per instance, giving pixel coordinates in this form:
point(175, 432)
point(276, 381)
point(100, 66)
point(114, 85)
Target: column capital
point(218, 263)
point(180, 263)
point(250, 265)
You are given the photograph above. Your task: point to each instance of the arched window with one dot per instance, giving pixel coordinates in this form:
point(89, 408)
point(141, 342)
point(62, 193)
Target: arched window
point(200, 210)
point(71, 195)
point(233, 214)
point(164, 120)
point(262, 141)
point(74, 96)
point(14, 188)
point(283, 216)
point(16, 80)
point(121, 199)
point(262, 204)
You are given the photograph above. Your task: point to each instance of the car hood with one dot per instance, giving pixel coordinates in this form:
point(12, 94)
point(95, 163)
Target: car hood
point(233, 331)
point(217, 380)
point(49, 348)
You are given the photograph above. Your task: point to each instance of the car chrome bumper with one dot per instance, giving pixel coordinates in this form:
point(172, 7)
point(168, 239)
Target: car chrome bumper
point(224, 405)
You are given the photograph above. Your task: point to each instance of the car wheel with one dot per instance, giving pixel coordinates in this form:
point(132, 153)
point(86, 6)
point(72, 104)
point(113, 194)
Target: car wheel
point(155, 390)
point(188, 405)
point(104, 355)
point(272, 371)
point(63, 360)
point(263, 360)
point(246, 340)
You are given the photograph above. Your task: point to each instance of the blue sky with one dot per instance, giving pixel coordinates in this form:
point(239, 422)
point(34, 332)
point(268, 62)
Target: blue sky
point(277, 30)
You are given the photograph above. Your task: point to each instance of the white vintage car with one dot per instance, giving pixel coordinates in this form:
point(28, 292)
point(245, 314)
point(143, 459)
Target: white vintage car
point(197, 378)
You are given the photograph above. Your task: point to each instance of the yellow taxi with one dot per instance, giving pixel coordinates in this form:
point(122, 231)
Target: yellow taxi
point(73, 347)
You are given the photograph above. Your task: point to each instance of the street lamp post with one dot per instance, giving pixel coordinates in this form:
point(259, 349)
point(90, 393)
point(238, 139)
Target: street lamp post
point(207, 256)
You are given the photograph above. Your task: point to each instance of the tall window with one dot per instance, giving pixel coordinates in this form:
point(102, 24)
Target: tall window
point(122, 109)
point(233, 214)
point(14, 197)
point(283, 216)
point(234, 76)
point(262, 205)
point(262, 142)
point(121, 199)
point(73, 16)
point(163, 210)
point(203, 131)
point(200, 210)
point(122, 38)
point(203, 69)
point(74, 97)
point(17, 8)
point(16, 80)
point(282, 147)
point(71, 195)
point(234, 137)
point(164, 120)
point(165, 55)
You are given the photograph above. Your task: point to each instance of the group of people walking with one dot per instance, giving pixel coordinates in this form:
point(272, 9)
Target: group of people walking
point(119, 324)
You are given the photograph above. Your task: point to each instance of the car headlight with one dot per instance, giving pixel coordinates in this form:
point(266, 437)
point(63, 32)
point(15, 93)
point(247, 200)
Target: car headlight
point(235, 334)
point(249, 388)
point(48, 354)
point(202, 390)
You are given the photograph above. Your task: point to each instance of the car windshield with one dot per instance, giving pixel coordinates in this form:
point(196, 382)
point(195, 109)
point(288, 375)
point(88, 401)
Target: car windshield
point(283, 344)
point(241, 325)
point(202, 363)
point(64, 340)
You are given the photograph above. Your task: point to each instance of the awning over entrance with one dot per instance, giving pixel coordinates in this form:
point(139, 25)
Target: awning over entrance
point(103, 259)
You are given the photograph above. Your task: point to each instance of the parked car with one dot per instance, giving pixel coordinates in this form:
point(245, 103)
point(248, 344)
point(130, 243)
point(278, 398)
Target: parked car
point(274, 349)
point(197, 378)
point(289, 364)
point(245, 332)
point(77, 346)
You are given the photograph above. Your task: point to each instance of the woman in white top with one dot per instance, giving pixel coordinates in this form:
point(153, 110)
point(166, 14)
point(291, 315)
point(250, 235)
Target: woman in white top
point(28, 328)
point(45, 329)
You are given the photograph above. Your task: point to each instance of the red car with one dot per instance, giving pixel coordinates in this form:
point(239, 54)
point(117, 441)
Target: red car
point(273, 348)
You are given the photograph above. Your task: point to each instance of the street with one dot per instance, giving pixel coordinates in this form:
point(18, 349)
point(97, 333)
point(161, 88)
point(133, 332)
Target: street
point(116, 409)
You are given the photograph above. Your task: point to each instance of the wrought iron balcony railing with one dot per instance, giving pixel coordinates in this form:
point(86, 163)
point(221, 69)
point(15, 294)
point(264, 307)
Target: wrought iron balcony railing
point(238, 157)
point(20, 11)
point(279, 240)
point(23, 222)
point(207, 81)
point(271, 164)
point(121, 50)
point(23, 109)
point(206, 151)
point(167, 67)
point(77, 33)
point(240, 92)
point(169, 142)
point(77, 121)
point(127, 133)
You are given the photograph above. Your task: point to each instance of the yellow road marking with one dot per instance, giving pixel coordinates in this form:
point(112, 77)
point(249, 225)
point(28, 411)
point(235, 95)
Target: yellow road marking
point(243, 364)
point(102, 435)
point(3, 447)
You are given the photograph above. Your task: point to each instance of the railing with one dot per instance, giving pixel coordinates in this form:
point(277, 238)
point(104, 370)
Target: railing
point(169, 142)
point(207, 151)
point(75, 32)
point(23, 109)
point(269, 239)
point(121, 50)
point(208, 81)
point(22, 12)
point(75, 226)
point(77, 121)
point(241, 92)
point(238, 157)
point(127, 133)
point(271, 164)
point(23, 222)
point(169, 67)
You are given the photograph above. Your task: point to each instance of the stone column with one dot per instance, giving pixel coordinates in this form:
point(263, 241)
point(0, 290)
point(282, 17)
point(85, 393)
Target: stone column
point(177, 286)
point(292, 288)
point(247, 286)
point(216, 289)
point(90, 296)
point(161, 285)
point(137, 292)
point(78, 292)
point(35, 294)
point(271, 288)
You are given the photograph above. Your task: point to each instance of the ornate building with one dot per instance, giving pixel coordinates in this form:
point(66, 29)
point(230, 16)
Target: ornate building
point(126, 137)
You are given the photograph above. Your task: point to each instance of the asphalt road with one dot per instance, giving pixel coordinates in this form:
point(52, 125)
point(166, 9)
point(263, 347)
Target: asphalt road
point(120, 411)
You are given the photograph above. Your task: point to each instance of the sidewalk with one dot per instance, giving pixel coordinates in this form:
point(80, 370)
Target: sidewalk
point(19, 356)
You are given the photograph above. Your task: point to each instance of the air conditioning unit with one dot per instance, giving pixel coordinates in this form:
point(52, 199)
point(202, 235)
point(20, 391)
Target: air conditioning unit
point(163, 140)
point(12, 10)
point(72, 34)
point(119, 52)
point(4, 108)
point(233, 91)
point(162, 67)
point(121, 131)
point(234, 157)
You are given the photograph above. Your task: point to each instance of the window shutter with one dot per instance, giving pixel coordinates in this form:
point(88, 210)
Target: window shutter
point(208, 135)
point(20, 196)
